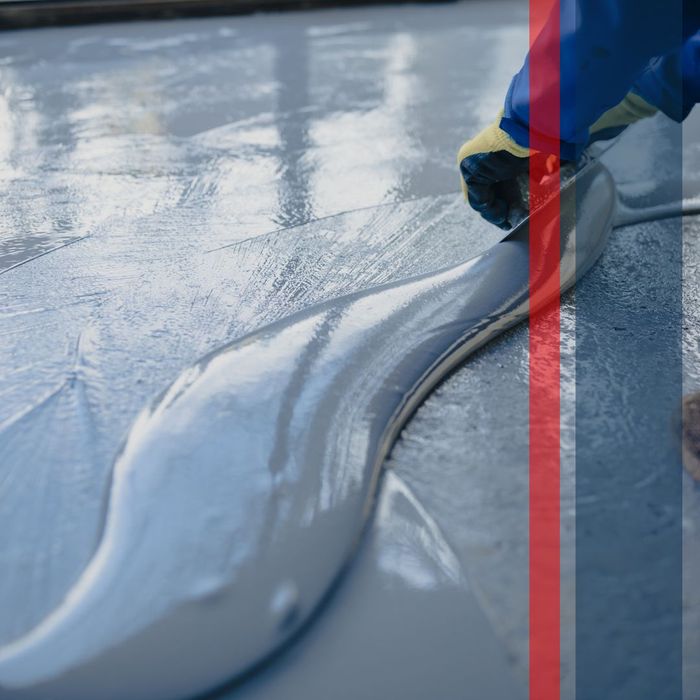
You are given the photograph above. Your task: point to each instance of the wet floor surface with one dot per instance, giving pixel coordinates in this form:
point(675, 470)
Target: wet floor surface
point(174, 153)
point(167, 187)
point(237, 127)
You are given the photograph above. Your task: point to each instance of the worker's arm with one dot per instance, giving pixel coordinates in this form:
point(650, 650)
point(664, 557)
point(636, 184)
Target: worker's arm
point(604, 46)
point(672, 82)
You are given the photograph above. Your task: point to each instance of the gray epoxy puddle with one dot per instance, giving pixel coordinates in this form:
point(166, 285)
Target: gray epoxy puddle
point(275, 441)
point(97, 356)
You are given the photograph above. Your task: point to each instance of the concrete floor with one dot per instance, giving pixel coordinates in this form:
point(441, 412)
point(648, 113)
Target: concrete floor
point(194, 180)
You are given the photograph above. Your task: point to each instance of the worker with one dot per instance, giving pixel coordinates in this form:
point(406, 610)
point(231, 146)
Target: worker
point(624, 60)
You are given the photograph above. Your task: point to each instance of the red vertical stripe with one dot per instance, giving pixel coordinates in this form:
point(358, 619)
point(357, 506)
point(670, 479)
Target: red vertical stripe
point(545, 654)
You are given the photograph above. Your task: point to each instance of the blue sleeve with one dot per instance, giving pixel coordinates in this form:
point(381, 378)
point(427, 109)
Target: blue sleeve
point(672, 82)
point(605, 46)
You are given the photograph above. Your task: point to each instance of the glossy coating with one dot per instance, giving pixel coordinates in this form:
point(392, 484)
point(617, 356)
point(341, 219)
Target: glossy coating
point(168, 187)
point(289, 426)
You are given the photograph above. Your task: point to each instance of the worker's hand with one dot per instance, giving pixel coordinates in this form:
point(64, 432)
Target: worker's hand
point(489, 164)
point(631, 109)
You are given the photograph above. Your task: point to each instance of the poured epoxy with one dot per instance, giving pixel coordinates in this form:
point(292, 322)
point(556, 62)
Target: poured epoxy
point(287, 429)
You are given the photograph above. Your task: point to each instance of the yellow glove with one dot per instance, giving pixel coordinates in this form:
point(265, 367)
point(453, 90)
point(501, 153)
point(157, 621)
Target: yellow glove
point(489, 164)
point(630, 109)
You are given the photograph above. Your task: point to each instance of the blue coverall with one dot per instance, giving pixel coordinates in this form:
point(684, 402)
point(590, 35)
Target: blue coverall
point(607, 48)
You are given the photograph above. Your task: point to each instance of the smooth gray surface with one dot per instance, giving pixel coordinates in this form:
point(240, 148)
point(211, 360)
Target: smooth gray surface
point(402, 625)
